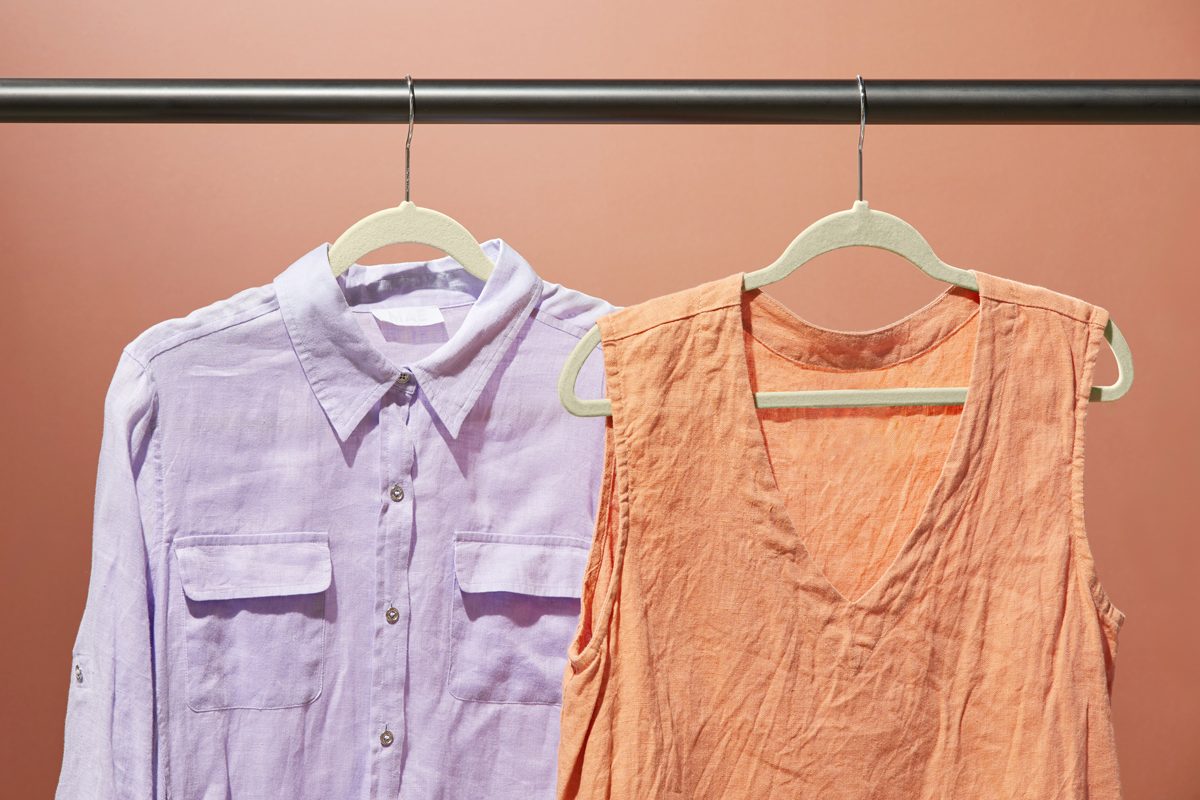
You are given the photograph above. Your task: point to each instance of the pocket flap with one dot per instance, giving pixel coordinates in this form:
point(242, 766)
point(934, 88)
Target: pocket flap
point(546, 566)
point(227, 566)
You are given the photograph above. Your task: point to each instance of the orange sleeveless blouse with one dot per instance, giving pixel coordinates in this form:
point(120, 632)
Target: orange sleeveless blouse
point(891, 602)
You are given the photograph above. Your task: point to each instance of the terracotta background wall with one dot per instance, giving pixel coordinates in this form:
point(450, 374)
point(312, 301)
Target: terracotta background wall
point(108, 229)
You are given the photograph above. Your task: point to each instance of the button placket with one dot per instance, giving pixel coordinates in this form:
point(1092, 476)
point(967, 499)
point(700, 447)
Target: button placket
point(392, 546)
point(391, 590)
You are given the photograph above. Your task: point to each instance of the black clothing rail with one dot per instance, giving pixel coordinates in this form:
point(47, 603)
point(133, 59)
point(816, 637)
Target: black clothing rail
point(758, 102)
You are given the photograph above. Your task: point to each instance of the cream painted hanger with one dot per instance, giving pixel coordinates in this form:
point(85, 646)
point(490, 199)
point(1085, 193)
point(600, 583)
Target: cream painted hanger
point(409, 223)
point(860, 225)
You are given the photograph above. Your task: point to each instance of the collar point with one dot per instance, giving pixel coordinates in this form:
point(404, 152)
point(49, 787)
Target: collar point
point(454, 425)
point(344, 427)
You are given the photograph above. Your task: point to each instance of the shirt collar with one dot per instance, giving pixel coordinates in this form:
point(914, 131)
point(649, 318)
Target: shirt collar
point(346, 371)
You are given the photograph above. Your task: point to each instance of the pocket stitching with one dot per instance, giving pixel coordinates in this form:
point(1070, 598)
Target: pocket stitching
point(187, 659)
point(451, 615)
point(521, 540)
point(249, 539)
point(187, 673)
point(450, 666)
point(539, 540)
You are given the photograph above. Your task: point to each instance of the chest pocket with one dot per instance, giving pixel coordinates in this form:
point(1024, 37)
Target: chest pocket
point(254, 623)
point(514, 608)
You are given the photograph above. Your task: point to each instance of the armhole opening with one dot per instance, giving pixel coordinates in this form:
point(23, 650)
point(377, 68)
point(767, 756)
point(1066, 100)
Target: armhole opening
point(1111, 616)
point(602, 572)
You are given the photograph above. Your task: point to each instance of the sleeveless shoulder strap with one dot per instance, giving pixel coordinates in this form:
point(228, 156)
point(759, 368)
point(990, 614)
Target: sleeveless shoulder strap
point(1055, 343)
point(655, 356)
point(1057, 340)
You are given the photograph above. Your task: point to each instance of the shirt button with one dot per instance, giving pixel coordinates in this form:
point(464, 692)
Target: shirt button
point(404, 378)
point(393, 616)
point(396, 492)
point(386, 738)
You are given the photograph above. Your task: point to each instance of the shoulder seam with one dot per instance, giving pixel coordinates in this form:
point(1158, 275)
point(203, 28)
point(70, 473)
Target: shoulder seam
point(127, 351)
point(183, 338)
point(1010, 291)
point(1059, 311)
point(558, 324)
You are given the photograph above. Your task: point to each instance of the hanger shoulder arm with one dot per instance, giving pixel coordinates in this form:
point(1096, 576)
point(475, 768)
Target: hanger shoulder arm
point(1120, 349)
point(570, 374)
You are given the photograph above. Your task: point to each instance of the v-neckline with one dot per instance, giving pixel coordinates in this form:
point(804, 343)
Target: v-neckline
point(883, 593)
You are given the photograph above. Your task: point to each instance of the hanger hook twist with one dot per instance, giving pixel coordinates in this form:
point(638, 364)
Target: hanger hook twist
point(862, 127)
point(408, 141)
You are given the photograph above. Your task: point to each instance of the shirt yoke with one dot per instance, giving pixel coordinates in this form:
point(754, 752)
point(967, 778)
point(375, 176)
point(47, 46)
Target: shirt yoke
point(241, 307)
point(568, 310)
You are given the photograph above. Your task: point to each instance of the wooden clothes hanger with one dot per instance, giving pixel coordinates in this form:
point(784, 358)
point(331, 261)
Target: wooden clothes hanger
point(409, 223)
point(860, 225)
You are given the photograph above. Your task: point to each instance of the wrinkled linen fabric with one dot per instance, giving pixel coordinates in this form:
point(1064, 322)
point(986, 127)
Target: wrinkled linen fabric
point(339, 538)
point(893, 602)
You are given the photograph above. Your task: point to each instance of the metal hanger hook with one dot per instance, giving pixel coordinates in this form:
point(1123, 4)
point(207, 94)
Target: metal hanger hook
point(408, 141)
point(862, 128)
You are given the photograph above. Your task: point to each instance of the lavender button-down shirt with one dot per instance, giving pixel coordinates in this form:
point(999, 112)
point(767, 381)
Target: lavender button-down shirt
point(340, 534)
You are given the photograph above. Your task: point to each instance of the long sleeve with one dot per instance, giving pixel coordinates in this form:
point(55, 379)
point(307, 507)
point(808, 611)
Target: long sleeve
point(109, 735)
